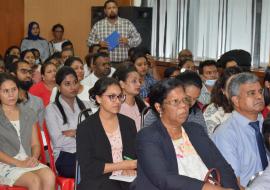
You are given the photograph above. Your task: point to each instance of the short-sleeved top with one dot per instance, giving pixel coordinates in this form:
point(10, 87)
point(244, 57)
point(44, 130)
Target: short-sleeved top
point(40, 90)
point(236, 140)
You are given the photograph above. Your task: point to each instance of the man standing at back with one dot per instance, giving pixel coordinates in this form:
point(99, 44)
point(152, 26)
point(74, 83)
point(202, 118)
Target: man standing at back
point(239, 138)
point(129, 37)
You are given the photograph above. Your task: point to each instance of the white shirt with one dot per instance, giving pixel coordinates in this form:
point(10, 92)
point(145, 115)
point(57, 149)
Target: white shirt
point(92, 78)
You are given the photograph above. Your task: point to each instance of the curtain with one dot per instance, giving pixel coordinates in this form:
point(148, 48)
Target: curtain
point(210, 27)
point(265, 33)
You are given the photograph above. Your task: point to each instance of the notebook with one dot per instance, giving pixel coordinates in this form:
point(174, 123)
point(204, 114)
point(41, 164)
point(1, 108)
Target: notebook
point(113, 40)
point(122, 178)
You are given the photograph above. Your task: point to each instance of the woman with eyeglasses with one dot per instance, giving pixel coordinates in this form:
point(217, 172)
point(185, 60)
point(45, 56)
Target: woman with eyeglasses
point(130, 83)
point(62, 119)
point(173, 154)
point(106, 140)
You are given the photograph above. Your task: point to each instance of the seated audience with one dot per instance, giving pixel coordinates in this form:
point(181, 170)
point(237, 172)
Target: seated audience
point(192, 84)
point(107, 147)
point(55, 59)
point(62, 120)
point(28, 56)
point(20, 148)
point(141, 64)
point(67, 45)
point(2, 66)
point(130, 83)
point(220, 108)
point(239, 138)
point(58, 40)
point(23, 72)
point(33, 40)
point(9, 62)
point(262, 182)
point(37, 56)
point(185, 54)
point(65, 54)
point(186, 64)
point(171, 72)
point(77, 65)
point(266, 93)
point(235, 57)
point(101, 68)
point(43, 89)
point(209, 74)
point(173, 154)
point(12, 50)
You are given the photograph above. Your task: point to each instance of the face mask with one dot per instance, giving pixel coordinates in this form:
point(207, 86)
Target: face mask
point(210, 82)
point(25, 85)
point(37, 61)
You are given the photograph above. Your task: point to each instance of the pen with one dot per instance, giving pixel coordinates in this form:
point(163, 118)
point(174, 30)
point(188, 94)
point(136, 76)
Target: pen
point(127, 158)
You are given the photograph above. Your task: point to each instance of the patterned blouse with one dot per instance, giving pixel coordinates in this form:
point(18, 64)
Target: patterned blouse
point(213, 117)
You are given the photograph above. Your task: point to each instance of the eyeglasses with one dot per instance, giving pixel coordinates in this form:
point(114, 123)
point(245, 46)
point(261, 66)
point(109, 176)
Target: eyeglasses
point(8, 91)
point(25, 71)
point(114, 97)
point(177, 102)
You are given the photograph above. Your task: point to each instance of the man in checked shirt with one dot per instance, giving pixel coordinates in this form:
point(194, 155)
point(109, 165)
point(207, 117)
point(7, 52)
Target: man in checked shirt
point(129, 37)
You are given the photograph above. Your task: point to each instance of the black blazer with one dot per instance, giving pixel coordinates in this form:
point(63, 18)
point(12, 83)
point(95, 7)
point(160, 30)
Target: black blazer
point(94, 149)
point(157, 167)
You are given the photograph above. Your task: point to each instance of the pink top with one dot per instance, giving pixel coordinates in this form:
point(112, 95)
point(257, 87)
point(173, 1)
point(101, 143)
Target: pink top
point(132, 112)
point(115, 140)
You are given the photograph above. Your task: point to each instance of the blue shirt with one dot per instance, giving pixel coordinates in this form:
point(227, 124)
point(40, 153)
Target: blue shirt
point(236, 140)
point(149, 81)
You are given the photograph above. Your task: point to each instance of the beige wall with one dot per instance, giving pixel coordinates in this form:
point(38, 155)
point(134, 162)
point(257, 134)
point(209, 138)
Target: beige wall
point(73, 14)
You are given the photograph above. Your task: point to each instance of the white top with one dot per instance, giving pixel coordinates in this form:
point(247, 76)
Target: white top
point(21, 154)
point(57, 47)
point(92, 78)
point(132, 112)
point(188, 160)
point(54, 121)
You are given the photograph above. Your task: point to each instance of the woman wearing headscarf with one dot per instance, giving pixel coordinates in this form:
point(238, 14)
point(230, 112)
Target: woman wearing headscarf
point(33, 40)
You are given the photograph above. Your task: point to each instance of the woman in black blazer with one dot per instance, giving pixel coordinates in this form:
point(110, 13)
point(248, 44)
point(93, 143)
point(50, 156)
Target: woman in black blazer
point(105, 139)
point(173, 154)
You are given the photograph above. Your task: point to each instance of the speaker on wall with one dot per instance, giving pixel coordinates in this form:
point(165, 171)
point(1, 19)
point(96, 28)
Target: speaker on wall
point(141, 17)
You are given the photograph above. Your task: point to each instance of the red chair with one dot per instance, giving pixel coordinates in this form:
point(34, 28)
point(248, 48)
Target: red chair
point(64, 183)
point(42, 159)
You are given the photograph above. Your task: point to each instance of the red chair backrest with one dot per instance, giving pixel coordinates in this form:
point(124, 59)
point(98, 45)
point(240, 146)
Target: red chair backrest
point(50, 150)
point(42, 151)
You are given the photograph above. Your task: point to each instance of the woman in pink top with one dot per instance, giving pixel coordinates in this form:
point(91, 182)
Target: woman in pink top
point(130, 82)
point(43, 89)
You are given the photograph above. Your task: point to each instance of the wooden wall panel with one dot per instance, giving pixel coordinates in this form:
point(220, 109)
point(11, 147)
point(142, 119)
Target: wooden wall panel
point(73, 14)
point(12, 23)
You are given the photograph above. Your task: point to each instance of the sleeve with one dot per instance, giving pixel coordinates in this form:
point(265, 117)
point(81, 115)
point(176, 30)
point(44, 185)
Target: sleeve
point(226, 143)
point(90, 166)
point(228, 179)
point(134, 38)
point(153, 163)
point(55, 126)
point(261, 182)
point(24, 45)
point(93, 36)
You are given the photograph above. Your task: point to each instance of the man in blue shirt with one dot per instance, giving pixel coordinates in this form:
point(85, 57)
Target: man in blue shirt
point(237, 139)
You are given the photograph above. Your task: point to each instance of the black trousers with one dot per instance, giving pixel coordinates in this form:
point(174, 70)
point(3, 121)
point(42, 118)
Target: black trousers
point(66, 164)
point(114, 185)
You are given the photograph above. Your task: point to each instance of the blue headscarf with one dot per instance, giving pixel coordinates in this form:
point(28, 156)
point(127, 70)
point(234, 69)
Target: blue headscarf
point(30, 35)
